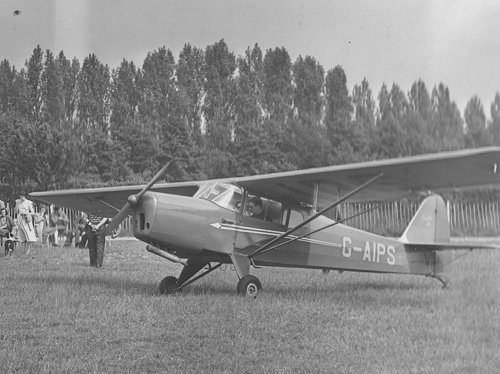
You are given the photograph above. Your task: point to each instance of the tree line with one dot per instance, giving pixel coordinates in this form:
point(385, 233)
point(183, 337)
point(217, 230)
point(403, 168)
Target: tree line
point(66, 124)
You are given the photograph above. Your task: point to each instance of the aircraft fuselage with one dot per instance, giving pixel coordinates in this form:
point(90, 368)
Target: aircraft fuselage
point(189, 227)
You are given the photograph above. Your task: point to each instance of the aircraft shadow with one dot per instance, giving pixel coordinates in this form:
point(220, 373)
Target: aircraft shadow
point(365, 291)
point(370, 285)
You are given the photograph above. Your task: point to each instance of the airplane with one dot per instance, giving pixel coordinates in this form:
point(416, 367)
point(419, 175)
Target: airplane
point(206, 224)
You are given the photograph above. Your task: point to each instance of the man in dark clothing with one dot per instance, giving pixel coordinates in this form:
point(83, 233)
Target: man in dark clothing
point(95, 231)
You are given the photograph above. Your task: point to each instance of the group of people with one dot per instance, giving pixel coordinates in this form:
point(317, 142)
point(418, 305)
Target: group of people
point(22, 229)
point(32, 227)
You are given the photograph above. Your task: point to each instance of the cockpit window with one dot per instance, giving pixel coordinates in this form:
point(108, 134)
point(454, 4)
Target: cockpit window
point(223, 194)
point(262, 208)
point(230, 197)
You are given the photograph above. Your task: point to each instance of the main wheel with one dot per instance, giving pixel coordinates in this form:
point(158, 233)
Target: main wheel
point(249, 286)
point(167, 285)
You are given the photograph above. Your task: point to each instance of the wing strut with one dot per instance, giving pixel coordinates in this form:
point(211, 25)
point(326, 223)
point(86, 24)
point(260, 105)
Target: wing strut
point(332, 205)
point(320, 229)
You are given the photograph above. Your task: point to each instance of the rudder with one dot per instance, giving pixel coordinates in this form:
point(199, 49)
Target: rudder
point(430, 223)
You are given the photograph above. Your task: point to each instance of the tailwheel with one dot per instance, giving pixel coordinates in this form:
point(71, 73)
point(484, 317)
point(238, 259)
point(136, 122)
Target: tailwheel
point(249, 286)
point(167, 285)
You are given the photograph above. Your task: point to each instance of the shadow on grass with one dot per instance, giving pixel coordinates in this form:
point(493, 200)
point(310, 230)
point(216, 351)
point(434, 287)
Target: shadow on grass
point(372, 300)
point(368, 290)
point(349, 287)
point(273, 286)
point(382, 286)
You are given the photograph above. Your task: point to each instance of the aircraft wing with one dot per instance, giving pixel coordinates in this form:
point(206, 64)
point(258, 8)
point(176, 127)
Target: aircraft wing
point(109, 200)
point(401, 176)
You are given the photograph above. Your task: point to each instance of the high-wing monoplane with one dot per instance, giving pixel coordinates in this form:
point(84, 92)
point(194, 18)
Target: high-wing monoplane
point(279, 219)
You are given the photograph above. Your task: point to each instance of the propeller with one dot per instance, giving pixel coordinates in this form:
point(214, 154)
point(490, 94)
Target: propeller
point(132, 201)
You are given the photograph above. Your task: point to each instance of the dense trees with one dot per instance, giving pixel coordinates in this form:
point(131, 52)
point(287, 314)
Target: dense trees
point(338, 114)
point(494, 127)
point(211, 113)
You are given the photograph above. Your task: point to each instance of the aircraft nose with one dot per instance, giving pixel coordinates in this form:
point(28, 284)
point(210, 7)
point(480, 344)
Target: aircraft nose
point(144, 213)
point(132, 200)
point(174, 221)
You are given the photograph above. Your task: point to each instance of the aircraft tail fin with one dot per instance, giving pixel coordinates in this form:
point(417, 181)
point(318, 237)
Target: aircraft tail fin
point(429, 235)
point(430, 225)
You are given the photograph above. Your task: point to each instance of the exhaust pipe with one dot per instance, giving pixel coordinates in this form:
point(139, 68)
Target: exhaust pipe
point(169, 256)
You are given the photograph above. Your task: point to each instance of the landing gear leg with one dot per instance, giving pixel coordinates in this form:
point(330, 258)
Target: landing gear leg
point(441, 279)
point(192, 267)
point(170, 285)
point(248, 285)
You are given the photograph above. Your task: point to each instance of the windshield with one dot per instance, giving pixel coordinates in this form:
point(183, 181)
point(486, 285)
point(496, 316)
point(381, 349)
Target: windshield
point(223, 194)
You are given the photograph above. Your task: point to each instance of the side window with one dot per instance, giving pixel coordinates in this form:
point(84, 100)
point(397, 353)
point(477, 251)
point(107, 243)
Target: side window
point(274, 210)
point(295, 218)
point(262, 208)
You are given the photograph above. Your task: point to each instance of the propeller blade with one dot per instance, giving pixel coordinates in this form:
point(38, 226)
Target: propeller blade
point(132, 202)
point(153, 181)
point(120, 216)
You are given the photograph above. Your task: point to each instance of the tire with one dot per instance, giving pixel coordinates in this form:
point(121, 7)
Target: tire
point(249, 286)
point(167, 285)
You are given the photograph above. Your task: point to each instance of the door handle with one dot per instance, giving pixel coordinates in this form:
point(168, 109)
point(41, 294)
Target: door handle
point(227, 222)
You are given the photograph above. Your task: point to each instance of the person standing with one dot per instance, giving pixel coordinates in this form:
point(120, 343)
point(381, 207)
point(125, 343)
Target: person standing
point(24, 210)
point(40, 220)
point(79, 228)
point(59, 225)
point(95, 231)
point(6, 223)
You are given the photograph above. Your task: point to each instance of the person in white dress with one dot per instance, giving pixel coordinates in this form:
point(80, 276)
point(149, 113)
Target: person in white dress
point(25, 212)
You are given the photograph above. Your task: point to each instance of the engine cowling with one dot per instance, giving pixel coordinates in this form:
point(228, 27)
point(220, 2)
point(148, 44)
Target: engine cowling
point(172, 222)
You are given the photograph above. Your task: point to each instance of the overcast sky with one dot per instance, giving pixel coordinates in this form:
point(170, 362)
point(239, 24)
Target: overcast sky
point(456, 42)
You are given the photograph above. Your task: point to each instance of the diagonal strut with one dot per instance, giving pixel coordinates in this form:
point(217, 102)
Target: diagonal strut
point(320, 229)
point(331, 206)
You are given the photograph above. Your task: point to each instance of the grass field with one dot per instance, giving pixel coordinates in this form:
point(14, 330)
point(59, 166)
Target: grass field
point(60, 315)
